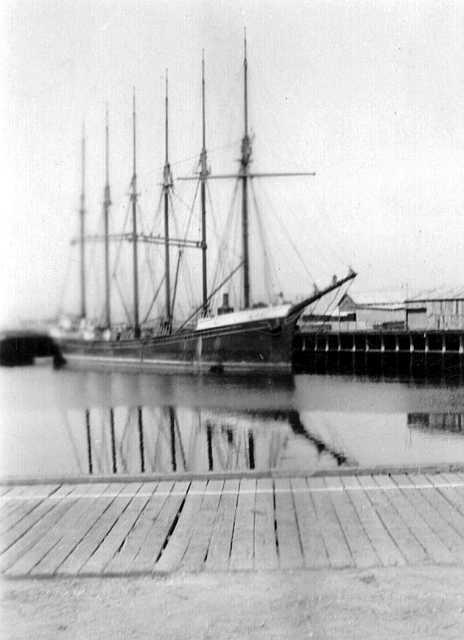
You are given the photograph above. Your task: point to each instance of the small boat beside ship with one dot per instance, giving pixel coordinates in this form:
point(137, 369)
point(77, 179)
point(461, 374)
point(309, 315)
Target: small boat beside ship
point(19, 348)
point(253, 338)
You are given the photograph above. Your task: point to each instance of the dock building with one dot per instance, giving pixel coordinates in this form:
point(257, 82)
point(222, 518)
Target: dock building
point(436, 309)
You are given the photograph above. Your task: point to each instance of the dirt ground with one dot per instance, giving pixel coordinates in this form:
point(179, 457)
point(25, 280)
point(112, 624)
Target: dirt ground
point(383, 603)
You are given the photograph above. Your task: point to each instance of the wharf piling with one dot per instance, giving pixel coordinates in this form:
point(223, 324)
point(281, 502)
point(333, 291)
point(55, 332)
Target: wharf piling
point(430, 352)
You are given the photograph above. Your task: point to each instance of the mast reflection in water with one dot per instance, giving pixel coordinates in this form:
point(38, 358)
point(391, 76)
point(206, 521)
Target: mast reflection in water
point(169, 440)
point(56, 424)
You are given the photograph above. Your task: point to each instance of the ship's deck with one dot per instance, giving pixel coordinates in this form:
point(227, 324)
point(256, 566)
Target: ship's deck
point(228, 524)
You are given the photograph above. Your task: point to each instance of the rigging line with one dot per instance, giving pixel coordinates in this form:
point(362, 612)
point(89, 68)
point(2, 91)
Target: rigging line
point(101, 225)
point(64, 286)
point(192, 210)
point(268, 267)
point(140, 218)
point(154, 299)
point(91, 267)
point(292, 244)
point(212, 217)
point(329, 304)
point(337, 292)
point(239, 266)
point(211, 151)
point(147, 251)
point(321, 212)
point(222, 244)
point(237, 251)
point(224, 263)
point(157, 215)
point(118, 289)
point(315, 246)
point(179, 255)
point(214, 226)
point(176, 279)
point(173, 213)
point(188, 206)
point(119, 249)
point(149, 264)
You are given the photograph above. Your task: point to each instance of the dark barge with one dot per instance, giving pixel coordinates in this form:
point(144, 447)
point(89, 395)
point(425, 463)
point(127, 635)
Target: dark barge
point(19, 348)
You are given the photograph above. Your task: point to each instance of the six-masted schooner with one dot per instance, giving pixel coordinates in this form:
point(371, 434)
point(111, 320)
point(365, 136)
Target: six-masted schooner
point(250, 339)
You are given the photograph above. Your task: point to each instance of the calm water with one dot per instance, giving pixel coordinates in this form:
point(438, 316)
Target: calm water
point(75, 422)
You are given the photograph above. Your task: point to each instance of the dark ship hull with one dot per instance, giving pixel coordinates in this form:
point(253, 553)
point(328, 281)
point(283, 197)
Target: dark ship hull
point(253, 346)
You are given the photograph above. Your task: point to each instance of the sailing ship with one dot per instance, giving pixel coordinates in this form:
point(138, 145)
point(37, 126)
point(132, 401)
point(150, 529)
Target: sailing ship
point(250, 339)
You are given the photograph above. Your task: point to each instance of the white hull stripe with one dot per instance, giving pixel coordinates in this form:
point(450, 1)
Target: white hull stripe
point(187, 364)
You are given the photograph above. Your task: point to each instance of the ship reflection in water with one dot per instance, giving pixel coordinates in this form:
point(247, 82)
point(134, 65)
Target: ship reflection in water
point(57, 424)
point(176, 440)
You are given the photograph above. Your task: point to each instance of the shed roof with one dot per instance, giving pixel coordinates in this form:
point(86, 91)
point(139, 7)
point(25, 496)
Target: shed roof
point(376, 299)
point(438, 293)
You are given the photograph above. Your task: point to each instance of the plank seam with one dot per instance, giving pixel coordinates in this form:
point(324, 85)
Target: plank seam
point(342, 529)
point(174, 524)
point(110, 529)
point(408, 526)
point(371, 541)
point(384, 525)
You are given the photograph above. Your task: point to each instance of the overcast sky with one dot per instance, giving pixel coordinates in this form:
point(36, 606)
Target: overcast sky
point(369, 94)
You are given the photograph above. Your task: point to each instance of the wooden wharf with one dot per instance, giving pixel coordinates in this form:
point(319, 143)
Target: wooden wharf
point(131, 527)
point(426, 353)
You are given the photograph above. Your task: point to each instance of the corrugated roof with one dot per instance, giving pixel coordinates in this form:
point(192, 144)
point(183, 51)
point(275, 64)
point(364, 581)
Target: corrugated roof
point(438, 293)
point(396, 299)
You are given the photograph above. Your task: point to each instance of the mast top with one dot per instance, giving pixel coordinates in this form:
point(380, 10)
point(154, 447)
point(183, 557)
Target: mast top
point(107, 158)
point(203, 99)
point(134, 141)
point(204, 172)
point(246, 142)
point(82, 209)
point(107, 135)
point(166, 145)
point(167, 176)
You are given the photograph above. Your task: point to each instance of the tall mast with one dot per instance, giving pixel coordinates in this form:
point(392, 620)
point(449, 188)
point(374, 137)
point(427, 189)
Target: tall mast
point(245, 161)
point(167, 184)
point(82, 213)
point(203, 177)
point(133, 198)
point(106, 209)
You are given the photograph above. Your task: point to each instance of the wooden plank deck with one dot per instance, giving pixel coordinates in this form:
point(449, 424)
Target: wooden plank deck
point(229, 524)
